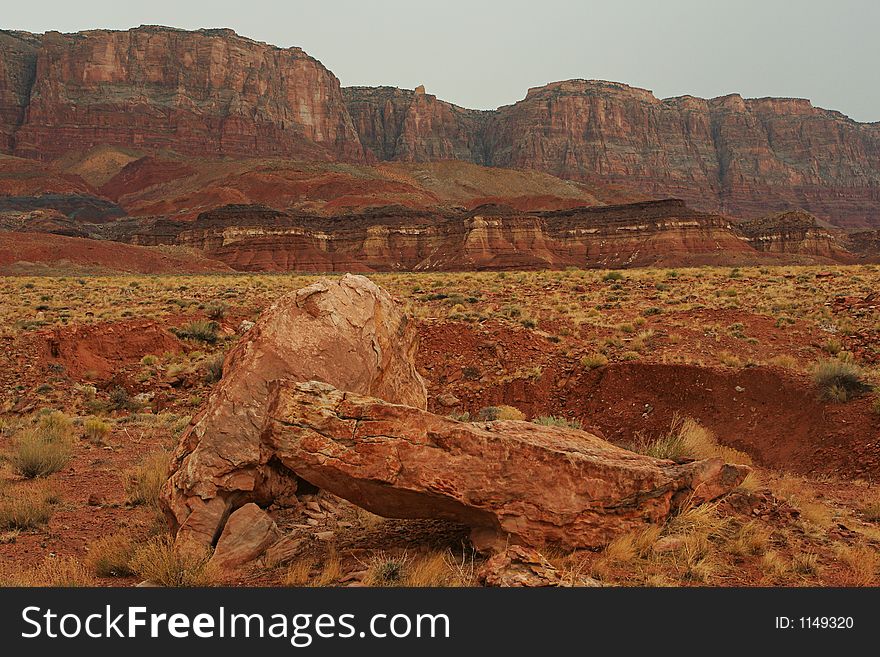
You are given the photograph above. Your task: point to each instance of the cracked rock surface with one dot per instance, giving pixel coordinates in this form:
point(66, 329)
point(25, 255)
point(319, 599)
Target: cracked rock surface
point(510, 481)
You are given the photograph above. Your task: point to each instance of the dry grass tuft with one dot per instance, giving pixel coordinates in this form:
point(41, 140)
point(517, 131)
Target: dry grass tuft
point(95, 430)
point(431, 569)
point(144, 482)
point(491, 413)
point(839, 380)
point(45, 448)
point(688, 439)
point(157, 561)
point(299, 572)
point(331, 571)
point(25, 508)
point(55, 572)
point(862, 563)
point(111, 556)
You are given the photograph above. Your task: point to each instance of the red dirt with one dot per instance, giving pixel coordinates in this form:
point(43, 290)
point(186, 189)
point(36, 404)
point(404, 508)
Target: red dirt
point(101, 349)
point(26, 253)
point(773, 414)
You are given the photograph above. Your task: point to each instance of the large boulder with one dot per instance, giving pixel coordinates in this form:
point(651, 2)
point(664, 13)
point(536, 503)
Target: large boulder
point(345, 332)
point(510, 481)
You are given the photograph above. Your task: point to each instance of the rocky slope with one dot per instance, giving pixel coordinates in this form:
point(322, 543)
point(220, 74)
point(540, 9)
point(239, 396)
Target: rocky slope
point(203, 92)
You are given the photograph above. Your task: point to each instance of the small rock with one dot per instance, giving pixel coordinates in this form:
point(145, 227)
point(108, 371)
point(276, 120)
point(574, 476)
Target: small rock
point(245, 326)
point(448, 400)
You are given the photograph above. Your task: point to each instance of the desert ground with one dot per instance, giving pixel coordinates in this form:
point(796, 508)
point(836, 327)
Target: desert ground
point(769, 366)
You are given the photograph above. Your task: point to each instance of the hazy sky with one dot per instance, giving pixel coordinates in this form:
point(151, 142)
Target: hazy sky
point(485, 54)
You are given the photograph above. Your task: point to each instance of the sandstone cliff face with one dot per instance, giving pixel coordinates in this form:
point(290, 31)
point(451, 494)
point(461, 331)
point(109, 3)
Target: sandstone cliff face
point(398, 124)
point(204, 92)
point(18, 62)
point(730, 155)
point(252, 238)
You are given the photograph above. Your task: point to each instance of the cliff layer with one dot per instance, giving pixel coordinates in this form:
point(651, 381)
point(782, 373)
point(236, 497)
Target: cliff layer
point(490, 237)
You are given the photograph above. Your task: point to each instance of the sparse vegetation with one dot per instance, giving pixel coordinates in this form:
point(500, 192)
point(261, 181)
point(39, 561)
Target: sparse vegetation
point(24, 508)
point(144, 482)
point(688, 439)
point(200, 330)
point(45, 448)
point(157, 561)
point(492, 413)
point(554, 421)
point(111, 556)
point(839, 380)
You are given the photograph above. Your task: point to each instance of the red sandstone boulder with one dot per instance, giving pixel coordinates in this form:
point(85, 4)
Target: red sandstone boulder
point(511, 482)
point(246, 535)
point(346, 332)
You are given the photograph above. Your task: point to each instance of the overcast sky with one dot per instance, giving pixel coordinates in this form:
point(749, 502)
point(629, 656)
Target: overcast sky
point(485, 54)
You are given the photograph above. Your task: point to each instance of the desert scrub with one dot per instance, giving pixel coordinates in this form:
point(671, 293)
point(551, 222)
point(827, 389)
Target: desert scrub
point(594, 361)
point(555, 421)
point(201, 330)
point(55, 572)
point(111, 556)
point(688, 439)
point(157, 561)
point(216, 310)
point(95, 430)
point(25, 508)
point(839, 380)
point(387, 570)
point(144, 482)
point(491, 413)
point(40, 450)
point(213, 368)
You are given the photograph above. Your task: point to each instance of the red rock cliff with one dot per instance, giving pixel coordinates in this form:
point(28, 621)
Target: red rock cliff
point(740, 157)
point(398, 124)
point(203, 92)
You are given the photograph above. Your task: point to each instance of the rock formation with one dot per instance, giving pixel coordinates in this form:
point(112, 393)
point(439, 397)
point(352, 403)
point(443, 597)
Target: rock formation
point(398, 124)
point(510, 481)
point(345, 332)
point(212, 92)
point(519, 566)
point(489, 237)
point(203, 92)
point(794, 232)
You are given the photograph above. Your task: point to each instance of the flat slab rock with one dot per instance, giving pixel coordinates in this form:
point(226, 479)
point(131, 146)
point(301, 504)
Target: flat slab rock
point(511, 482)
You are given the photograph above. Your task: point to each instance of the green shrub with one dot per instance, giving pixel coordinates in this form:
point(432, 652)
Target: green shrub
point(214, 368)
point(201, 330)
point(216, 310)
